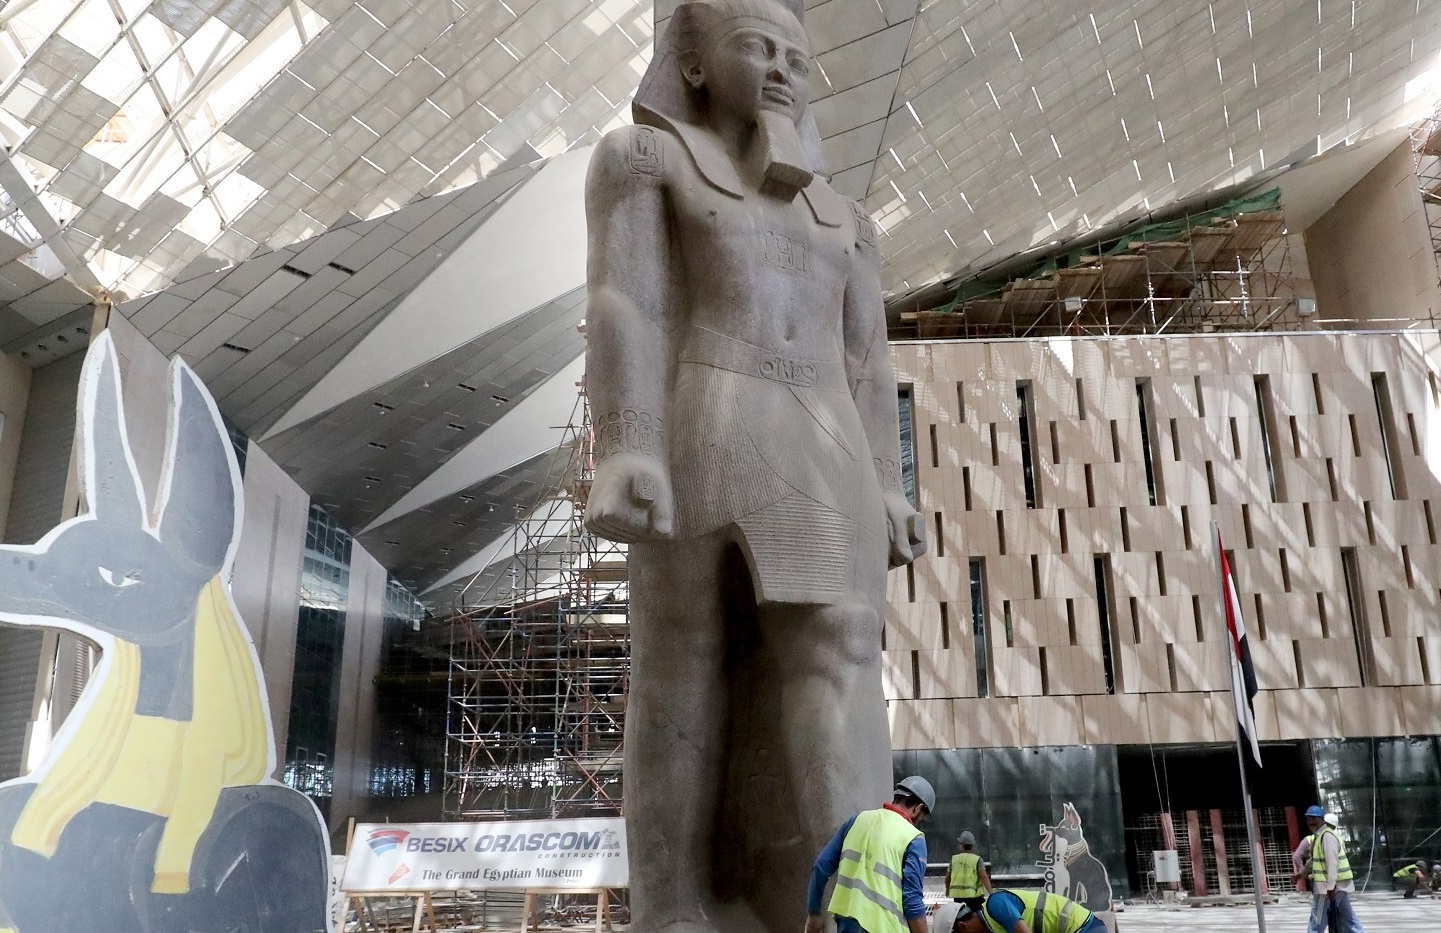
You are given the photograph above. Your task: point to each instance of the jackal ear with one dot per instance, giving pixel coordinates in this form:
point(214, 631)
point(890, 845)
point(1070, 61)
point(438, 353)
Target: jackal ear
point(108, 474)
point(199, 497)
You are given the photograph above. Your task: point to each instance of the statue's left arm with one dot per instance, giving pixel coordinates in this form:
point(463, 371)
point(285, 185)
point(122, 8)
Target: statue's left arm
point(873, 385)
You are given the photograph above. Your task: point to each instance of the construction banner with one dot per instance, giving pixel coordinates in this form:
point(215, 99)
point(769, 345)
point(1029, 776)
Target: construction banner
point(417, 857)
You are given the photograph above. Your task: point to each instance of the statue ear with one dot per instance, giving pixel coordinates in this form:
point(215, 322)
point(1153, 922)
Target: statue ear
point(691, 68)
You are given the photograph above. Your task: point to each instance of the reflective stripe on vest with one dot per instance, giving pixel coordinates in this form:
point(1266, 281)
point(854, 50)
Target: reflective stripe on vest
point(1318, 857)
point(1043, 912)
point(868, 883)
point(965, 875)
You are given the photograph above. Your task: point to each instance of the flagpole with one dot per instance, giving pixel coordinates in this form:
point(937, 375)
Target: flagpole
point(1251, 841)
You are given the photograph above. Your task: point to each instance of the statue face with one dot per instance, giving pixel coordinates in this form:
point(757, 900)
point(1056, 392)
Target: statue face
point(752, 68)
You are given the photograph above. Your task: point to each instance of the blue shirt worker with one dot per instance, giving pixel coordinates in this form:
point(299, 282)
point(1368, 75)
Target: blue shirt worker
point(1332, 880)
point(878, 858)
point(1027, 912)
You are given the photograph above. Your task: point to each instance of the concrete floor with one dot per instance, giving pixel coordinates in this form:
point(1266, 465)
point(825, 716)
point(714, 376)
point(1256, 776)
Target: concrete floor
point(1379, 913)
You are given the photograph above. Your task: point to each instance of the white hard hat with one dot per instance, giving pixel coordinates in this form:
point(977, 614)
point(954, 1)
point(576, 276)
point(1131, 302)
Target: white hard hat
point(945, 917)
point(1331, 819)
point(918, 787)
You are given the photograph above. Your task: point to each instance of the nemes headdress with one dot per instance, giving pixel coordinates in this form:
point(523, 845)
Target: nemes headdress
point(666, 98)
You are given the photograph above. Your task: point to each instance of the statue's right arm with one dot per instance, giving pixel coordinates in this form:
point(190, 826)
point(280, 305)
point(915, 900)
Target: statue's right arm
point(628, 276)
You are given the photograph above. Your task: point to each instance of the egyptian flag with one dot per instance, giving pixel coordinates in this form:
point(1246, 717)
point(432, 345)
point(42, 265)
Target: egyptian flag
point(1243, 676)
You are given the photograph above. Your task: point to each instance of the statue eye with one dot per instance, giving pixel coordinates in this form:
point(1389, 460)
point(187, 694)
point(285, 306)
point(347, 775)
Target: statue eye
point(116, 580)
point(800, 66)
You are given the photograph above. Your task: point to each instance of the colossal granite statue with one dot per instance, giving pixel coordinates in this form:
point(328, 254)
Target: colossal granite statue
point(746, 421)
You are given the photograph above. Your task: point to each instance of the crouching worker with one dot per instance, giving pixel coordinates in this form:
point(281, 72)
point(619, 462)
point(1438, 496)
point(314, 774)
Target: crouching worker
point(1026, 912)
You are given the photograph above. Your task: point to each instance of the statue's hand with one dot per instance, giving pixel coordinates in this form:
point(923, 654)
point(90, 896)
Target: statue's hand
point(906, 527)
point(631, 499)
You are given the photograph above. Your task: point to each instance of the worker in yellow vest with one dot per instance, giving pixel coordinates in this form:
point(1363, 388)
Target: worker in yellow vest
point(967, 881)
point(1027, 912)
point(1331, 876)
point(878, 858)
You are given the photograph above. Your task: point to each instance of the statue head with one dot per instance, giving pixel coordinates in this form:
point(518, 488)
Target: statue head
point(748, 58)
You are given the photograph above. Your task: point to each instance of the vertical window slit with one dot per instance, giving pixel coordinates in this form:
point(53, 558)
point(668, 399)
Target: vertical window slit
point(1197, 619)
point(1406, 565)
point(935, 449)
point(979, 626)
point(1200, 399)
point(995, 447)
point(1161, 572)
point(1316, 393)
point(1260, 618)
point(1115, 442)
point(1105, 611)
point(1175, 442)
point(940, 537)
point(1135, 607)
point(1415, 435)
point(966, 487)
point(1055, 444)
point(1296, 659)
point(960, 403)
point(1006, 620)
point(1360, 625)
point(1026, 409)
point(1430, 522)
point(1035, 576)
point(1071, 619)
point(1355, 436)
point(1331, 480)
point(1090, 488)
point(1295, 438)
point(1061, 529)
point(1186, 526)
point(1425, 661)
point(1370, 523)
point(1390, 436)
point(1321, 615)
point(910, 583)
point(1270, 443)
point(1171, 666)
point(1000, 532)
point(1310, 528)
point(1246, 525)
point(945, 626)
point(1125, 530)
point(1385, 614)
point(1045, 674)
point(1081, 399)
point(1285, 570)
point(1155, 490)
point(908, 442)
point(1235, 439)
point(1211, 482)
point(916, 675)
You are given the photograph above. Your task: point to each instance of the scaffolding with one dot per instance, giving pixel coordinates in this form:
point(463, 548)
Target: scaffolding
point(1426, 150)
point(540, 661)
point(1227, 273)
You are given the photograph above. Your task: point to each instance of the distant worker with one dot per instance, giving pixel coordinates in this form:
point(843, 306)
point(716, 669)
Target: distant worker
point(1413, 876)
point(880, 858)
point(1025, 912)
point(1331, 877)
point(967, 877)
point(1436, 878)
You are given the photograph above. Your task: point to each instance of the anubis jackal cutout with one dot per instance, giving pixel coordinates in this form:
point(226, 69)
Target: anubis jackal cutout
point(153, 811)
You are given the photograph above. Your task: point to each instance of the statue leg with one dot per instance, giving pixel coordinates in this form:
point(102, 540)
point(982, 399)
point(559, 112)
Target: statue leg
point(832, 730)
point(675, 731)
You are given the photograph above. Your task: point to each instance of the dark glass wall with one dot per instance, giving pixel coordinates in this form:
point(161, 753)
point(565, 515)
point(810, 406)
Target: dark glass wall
point(410, 701)
point(319, 638)
point(1006, 795)
point(1387, 793)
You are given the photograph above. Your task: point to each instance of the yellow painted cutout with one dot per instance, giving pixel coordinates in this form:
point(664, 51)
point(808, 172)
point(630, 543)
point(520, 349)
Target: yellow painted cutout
point(166, 767)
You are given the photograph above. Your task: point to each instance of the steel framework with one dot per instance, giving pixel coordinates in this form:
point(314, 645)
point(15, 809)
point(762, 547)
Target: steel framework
point(540, 661)
point(1426, 149)
point(1228, 274)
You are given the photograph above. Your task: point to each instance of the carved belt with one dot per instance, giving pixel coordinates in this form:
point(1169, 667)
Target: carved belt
point(711, 348)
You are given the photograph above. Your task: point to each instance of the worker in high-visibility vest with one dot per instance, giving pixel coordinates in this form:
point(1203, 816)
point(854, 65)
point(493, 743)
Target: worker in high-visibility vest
point(1413, 876)
point(1331, 876)
point(1027, 912)
point(878, 858)
point(967, 880)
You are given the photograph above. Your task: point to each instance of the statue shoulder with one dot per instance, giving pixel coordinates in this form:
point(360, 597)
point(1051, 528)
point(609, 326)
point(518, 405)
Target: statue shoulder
point(864, 224)
point(633, 153)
